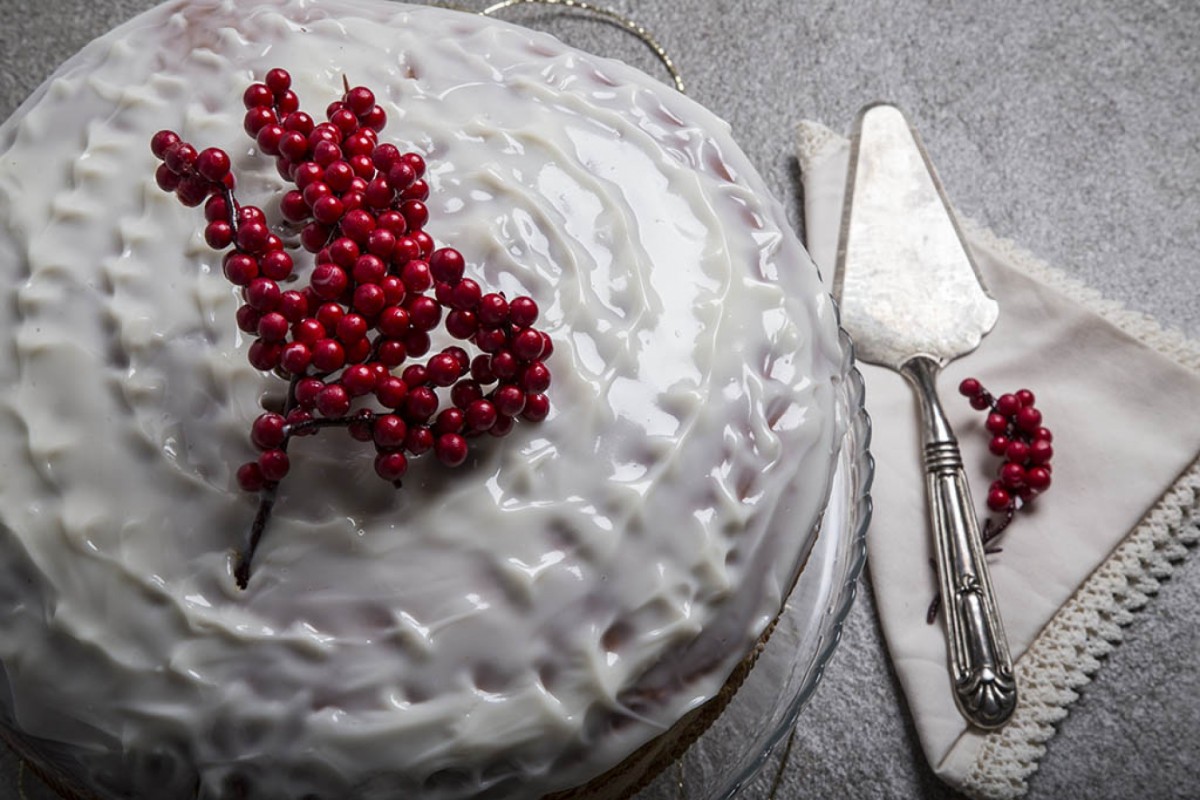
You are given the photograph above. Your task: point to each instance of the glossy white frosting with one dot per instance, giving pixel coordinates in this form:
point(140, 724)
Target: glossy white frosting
point(515, 626)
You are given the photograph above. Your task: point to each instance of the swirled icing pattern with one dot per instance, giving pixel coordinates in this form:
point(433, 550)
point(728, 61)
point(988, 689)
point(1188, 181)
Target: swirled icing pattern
point(506, 629)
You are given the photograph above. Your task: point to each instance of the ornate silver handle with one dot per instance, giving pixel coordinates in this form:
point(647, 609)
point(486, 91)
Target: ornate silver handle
point(980, 666)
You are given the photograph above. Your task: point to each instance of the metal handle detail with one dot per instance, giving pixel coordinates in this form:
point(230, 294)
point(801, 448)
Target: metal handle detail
point(981, 668)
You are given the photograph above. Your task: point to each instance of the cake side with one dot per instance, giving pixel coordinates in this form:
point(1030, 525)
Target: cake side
point(515, 627)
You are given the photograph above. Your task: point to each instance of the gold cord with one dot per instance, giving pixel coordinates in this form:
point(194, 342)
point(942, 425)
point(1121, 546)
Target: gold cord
point(783, 764)
point(613, 16)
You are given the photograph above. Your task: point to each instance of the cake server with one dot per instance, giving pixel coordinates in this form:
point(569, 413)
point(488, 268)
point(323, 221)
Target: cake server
point(911, 300)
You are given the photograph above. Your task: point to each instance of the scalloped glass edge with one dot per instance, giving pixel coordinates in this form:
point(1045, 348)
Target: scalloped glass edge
point(817, 607)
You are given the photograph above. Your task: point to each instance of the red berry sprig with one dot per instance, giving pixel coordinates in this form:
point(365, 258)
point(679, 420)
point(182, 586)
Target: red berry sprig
point(1023, 443)
point(1020, 439)
point(367, 311)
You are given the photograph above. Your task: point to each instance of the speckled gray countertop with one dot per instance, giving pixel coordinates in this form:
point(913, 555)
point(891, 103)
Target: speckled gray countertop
point(1072, 127)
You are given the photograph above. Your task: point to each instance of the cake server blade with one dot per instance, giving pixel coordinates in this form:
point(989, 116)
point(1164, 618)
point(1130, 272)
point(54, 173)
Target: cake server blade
point(912, 300)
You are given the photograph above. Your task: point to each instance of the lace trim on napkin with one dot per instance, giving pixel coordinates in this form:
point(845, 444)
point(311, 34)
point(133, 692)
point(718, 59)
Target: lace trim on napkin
point(1066, 653)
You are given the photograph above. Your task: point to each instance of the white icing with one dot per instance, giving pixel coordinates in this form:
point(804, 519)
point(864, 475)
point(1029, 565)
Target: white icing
point(509, 628)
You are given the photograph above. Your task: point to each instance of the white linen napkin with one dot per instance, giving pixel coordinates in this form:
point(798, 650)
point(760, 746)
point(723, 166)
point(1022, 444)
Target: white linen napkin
point(1119, 395)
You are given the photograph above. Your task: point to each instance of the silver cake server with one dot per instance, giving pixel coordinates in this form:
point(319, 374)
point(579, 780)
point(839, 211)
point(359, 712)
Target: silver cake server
point(911, 299)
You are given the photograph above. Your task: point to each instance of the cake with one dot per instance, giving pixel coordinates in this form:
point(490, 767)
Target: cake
point(520, 626)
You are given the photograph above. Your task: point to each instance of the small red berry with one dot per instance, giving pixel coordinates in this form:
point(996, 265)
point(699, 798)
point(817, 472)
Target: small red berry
point(417, 190)
point(307, 391)
point(505, 365)
point(481, 370)
point(480, 415)
point(247, 319)
point(328, 209)
point(503, 426)
point(465, 392)
point(491, 340)
point(449, 420)
point(381, 242)
point(1026, 397)
point(1012, 475)
point(240, 268)
point(295, 358)
point(167, 180)
point(218, 235)
point(998, 445)
point(267, 432)
point(1017, 452)
point(419, 440)
point(509, 400)
point(537, 407)
point(328, 355)
point(314, 236)
point(465, 295)
point(1038, 478)
point(293, 305)
point(351, 328)
point(527, 345)
point(416, 276)
point(523, 312)
point(333, 400)
point(329, 281)
point(359, 380)
point(360, 427)
point(390, 431)
point(360, 100)
point(1029, 419)
point(278, 80)
point(1007, 404)
point(1040, 451)
point(162, 141)
point(358, 225)
point(535, 378)
point(264, 355)
point(424, 243)
point(416, 343)
point(250, 477)
point(308, 331)
point(415, 162)
point(258, 118)
point(393, 321)
point(451, 449)
point(258, 94)
point(461, 324)
point(998, 499)
point(368, 299)
point(423, 312)
point(390, 391)
point(192, 190)
point(273, 327)
point(421, 404)
point(447, 264)
point(392, 352)
point(213, 164)
point(391, 466)
point(443, 369)
point(276, 265)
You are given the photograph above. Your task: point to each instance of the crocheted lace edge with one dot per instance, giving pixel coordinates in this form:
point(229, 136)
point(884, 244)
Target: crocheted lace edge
point(1066, 654)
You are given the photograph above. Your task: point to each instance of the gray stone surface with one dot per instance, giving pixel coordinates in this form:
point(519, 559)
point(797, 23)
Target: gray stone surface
point(1071, 127)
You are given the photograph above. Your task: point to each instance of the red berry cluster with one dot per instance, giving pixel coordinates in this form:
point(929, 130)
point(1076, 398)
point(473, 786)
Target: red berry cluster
point(359, 206)
point(1019, 438)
